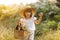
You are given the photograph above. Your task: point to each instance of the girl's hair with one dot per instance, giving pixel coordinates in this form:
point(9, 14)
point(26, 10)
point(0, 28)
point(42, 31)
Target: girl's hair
point(28, 10)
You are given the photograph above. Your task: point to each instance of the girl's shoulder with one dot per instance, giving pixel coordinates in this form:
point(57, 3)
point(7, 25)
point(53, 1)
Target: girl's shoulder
point(21, 19)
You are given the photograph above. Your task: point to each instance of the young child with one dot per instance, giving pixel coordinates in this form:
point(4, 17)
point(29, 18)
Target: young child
point(30, 21)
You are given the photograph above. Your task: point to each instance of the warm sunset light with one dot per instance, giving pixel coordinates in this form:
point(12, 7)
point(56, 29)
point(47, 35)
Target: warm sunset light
point(8, 2)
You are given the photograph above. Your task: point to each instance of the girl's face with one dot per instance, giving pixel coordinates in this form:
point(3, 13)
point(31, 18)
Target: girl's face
point(28, 14)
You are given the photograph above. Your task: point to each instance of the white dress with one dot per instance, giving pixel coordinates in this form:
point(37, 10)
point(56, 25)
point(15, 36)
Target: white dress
point(30, 25)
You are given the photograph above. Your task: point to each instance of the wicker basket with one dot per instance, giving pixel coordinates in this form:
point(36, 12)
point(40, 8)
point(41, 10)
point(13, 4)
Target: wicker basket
point(20, 34)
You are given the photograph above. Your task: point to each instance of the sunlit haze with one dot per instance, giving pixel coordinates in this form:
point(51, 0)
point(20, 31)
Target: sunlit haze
point(9, 2)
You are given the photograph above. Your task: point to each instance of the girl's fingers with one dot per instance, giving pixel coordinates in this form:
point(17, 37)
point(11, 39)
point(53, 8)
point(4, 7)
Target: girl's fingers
point(40, 14)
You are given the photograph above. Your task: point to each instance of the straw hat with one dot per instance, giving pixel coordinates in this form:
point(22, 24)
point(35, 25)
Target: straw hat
point(27, 8)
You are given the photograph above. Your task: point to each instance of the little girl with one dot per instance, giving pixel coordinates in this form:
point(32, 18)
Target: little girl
point(30, 21)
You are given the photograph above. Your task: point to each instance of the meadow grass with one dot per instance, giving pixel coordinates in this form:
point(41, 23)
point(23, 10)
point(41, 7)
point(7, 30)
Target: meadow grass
point(7, 31)
point(7, 34)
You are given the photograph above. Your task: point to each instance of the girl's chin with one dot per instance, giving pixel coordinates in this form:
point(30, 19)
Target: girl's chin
point(27, 17)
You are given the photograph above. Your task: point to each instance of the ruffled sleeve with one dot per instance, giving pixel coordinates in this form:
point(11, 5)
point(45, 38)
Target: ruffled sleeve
point(35, 18)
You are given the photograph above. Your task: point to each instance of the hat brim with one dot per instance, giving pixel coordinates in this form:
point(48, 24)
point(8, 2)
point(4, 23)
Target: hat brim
point(22, 11)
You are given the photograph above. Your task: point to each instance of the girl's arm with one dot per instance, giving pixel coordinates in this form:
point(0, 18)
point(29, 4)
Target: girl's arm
point(19, 22)
point(40, 18)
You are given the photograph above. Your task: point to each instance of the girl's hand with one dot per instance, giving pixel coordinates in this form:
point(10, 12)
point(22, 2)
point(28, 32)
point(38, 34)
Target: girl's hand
point(40, 14)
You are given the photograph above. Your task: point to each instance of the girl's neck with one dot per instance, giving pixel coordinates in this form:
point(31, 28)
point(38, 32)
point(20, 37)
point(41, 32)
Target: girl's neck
point(27, 17)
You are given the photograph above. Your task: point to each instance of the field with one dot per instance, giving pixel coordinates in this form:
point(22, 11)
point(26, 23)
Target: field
point(48, 29)
point(42, 32)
